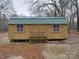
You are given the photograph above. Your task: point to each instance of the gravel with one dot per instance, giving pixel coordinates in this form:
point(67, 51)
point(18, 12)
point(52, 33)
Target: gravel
point(55, 51)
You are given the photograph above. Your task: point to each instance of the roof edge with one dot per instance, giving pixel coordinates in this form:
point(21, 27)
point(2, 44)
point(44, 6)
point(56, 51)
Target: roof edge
point(37, 17)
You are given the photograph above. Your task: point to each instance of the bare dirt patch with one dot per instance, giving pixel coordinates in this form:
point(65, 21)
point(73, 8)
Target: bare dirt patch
point(66, 51)
point(3, 35)
point(35, 50)
point(27, 51)
point(4, 38)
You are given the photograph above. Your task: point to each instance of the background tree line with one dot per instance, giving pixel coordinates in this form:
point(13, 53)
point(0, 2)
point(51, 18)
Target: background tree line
point(57, 8)
point(43, 8)
point(6, 11)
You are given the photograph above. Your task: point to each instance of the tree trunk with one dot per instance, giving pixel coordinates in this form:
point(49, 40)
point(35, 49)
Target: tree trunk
point(77, 15)
point(78, 23)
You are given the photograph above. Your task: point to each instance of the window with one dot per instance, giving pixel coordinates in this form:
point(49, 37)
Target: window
point(19, 27)
point(55, 27)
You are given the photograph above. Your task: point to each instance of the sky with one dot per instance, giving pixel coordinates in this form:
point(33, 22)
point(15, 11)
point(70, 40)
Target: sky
point(21, 8)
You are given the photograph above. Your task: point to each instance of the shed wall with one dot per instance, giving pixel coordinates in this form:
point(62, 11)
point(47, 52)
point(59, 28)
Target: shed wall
point(31, 30)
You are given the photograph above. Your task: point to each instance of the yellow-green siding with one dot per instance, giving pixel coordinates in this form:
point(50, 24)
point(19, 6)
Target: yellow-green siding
point(30, 30)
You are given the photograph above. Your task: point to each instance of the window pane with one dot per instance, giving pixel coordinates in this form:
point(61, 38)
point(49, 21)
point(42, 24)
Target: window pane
point(56, 27)
point(19, 28)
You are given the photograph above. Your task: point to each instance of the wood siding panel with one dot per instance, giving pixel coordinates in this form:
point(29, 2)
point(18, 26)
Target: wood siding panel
point(30, 30)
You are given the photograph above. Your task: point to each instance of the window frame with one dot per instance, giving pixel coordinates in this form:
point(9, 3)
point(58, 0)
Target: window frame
point(53, 28)
point(17, 28)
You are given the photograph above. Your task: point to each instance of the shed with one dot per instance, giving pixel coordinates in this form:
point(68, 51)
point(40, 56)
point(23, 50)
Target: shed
point(23, 28)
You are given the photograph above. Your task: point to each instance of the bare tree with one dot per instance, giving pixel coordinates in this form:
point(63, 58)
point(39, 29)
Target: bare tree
point(6, 8)
point(6, 11)
point(77, 11)
point(56, 8)
point(53, 7)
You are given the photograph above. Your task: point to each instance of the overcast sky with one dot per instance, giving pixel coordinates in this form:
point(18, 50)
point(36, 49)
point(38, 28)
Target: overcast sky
point(20, 7)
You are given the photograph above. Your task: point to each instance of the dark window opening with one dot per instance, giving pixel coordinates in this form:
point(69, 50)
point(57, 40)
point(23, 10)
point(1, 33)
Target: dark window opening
point(19, 27)
point(55, 27)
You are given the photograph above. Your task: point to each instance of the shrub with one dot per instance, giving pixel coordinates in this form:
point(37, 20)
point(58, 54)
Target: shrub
point(38, 38)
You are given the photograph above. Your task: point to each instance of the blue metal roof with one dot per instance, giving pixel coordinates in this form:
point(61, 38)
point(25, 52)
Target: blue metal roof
point(38, 20)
